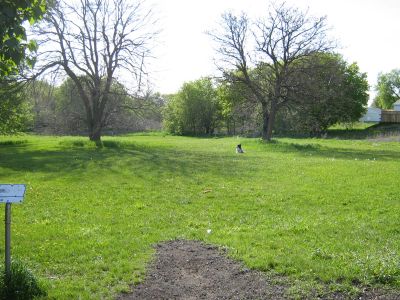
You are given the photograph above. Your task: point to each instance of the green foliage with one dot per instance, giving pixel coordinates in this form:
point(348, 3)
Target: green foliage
point(171, 115)
point(388, 89)
point(15, 115)
point(13, 40)
point(334, 92)
point(22, 285)
point(316, 211)
point(194, 109)
point(239, 113)
point(355, 94)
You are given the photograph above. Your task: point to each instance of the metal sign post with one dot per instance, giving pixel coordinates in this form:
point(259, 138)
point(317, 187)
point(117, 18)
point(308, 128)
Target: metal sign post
point(8, 239)
point(10, 193)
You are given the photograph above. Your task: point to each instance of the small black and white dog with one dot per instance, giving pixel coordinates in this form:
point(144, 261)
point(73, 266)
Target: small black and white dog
point(239, 149)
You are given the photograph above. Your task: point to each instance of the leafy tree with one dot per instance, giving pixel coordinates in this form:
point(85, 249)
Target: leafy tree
point(388, 89)
point(285, 37)
point(355, 94)
point(335, 92)
point(173, 114)
point(13, 39)
point(15, 113)
point(239, 111)
point(193, 110)
point(15, 52)
point(96, 40)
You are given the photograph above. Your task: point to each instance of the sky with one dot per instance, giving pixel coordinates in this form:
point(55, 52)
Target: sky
point(367, 32)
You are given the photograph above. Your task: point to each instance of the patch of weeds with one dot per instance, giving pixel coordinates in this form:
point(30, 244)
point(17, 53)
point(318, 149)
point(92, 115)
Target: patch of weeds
point(22, 284)
point(305, 290)
point(382, 268)
point(386, 272)
point(343, 289)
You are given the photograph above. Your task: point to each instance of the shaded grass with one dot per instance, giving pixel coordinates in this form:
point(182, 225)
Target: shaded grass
point(365, 131)
point(318, 211)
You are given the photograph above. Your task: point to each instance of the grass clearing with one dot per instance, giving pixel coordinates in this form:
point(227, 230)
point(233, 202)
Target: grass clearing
point(319, 211)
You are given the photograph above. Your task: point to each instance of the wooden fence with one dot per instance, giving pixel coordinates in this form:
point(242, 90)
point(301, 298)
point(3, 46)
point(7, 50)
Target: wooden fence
point(390, 116)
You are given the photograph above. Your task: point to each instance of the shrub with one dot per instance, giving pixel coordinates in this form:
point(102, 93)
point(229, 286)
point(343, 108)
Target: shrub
point(21, 285)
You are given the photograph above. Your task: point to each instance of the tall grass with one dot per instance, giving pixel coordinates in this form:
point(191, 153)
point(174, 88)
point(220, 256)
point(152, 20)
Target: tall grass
point(20, 284)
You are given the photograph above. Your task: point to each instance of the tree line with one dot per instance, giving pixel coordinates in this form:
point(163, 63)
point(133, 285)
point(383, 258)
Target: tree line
point(45, 108)
point(279, 74)
point(335, 92)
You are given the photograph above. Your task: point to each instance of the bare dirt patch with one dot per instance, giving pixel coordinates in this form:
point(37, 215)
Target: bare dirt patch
point(193, 270)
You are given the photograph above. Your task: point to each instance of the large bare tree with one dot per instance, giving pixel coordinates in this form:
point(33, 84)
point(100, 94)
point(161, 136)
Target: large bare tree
point(94, 42)
point(278, 43)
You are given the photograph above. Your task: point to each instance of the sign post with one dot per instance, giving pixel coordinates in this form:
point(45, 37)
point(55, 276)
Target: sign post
point(8, 239)
point(10, 193)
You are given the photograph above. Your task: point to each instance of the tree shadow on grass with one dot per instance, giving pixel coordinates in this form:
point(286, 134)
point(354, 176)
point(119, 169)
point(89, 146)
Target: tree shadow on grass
point(74, 159)
point(371, 132)
point(344, 153)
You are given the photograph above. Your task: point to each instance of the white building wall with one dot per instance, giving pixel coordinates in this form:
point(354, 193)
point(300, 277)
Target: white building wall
point(396, 105)
point(373, 114)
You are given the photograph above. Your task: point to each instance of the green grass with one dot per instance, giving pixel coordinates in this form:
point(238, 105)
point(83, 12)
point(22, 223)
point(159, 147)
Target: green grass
point(321, 212)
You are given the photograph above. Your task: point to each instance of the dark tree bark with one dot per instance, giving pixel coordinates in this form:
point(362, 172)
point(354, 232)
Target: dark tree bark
point(281, 40)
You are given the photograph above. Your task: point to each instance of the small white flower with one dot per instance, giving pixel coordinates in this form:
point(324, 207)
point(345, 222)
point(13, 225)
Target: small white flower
point(208, 231)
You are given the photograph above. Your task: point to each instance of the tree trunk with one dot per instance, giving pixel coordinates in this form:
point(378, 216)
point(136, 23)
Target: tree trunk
point(268, 121)
point(270, 126)
point(95, 136)
point(265, 127)
point(265, 117)
point(95, 128)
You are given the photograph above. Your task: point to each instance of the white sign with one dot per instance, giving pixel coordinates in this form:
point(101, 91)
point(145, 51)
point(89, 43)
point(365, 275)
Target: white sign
point(12, 193)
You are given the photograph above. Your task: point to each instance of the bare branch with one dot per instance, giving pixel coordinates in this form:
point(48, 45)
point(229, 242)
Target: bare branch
point(91, 40)
point(281, 41)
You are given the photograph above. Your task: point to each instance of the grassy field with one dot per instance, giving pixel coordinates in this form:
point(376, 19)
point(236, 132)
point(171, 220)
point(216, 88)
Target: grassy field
point(321, 212)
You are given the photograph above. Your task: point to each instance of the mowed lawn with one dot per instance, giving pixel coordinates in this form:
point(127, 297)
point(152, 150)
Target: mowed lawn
point(320, 212)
